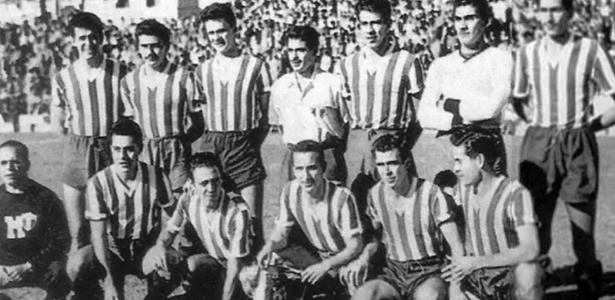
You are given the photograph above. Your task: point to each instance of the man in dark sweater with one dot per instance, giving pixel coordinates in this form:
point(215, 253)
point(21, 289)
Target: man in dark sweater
point(33, 230)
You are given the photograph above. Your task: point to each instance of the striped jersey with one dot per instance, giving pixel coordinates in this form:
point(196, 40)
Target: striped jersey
point(92, 104)
point(561, 88)
point(326, 223)
point(160, 101)
point(224, 231)
point(410, 223)
point(231, 89)
point(132, 211)
point(491, 226)
point(379, 87)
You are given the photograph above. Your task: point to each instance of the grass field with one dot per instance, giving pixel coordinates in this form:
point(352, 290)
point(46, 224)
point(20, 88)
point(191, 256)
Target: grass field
point(431, 156)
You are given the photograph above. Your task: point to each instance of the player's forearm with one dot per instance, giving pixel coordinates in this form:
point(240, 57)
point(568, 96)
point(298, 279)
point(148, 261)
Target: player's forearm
point(57, 239)
point(483, 108)
point(57, 119)
point(166, 238)
point(606, 119)
point(233, 265)
point(511, 257)
point(74, 216)
point(451, 234)
point(100, 244)
point(351, 251)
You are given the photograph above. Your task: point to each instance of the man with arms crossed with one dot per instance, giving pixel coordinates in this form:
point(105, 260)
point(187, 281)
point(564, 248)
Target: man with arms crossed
point(309, 103)
point(34, 235)
point(501, 237)
point(470, 85)
point(410, 224)
point(559, 154)
point(383, 82)
point(222, 222)
point(124, 208)
point(85, 102)
point(235, 90)
point(159, 96)
point(325, 212)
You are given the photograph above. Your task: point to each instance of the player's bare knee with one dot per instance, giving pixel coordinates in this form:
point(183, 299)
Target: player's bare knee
point(431, 289)
point(528, 278)
point(374, 289)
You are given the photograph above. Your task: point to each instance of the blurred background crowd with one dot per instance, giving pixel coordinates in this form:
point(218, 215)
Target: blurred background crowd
point(32, 51)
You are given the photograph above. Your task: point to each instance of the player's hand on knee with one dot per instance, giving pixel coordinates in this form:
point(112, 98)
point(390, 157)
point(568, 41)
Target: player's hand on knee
point(354, 274)
point(53, 272)
point(155, 260)
point(459, 268)
point(315, 272)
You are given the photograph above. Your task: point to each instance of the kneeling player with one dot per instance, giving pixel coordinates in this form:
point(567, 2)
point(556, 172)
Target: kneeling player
point(409, 215)
point(500, 229)
point(222, 224)
point(325, 212)
point(124, 208)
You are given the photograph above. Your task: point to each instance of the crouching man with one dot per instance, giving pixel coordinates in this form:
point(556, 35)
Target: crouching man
point(222, 223)
point(409, 215)
point(124, 207)
point(326, 213)
point(33, 229)
point(500, 225)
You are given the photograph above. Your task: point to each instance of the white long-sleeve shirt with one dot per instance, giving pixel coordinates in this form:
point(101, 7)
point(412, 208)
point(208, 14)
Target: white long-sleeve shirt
point(482, 83)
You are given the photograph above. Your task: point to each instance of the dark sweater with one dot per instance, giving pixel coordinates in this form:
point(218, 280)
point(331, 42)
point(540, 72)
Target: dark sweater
point(33, 227)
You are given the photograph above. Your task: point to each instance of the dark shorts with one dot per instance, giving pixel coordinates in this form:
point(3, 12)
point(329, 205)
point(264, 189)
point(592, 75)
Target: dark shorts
point(83, 157)
point(560, 163)
point(336, 169)
point(490, 284)
point(239, 153)
point(171, 154)
point(406, 276)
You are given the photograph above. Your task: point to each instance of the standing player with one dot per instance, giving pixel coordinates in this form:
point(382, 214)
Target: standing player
point(124, 208)
point(309, 103)
point(383, 81)
point(34, 235)
point(222, 223)
point(470, 85)
point(325, 212)
point(500, 226)
point(559, 154)
point(159, 95)
point(86, 101)
point(235, 90)
point(412, 269)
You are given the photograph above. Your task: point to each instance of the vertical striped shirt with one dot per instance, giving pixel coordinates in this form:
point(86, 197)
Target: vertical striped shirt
point(561, 88)
point(132, 212)
point(491, 226)
point(93, 104)
point(231, 89)
point(159, 102)
point(410, 224)
point(224, 231)
point(379, 90)
point(326, 223)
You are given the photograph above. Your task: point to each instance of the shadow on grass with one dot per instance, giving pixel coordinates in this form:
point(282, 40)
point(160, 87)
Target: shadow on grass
point(561, 284)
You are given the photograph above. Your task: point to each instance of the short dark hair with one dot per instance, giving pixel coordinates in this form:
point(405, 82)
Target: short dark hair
point(205, 159)
point(306, 146)
point(385, 143)
point(381, 7)
point(483, 9)
point(567, 4)
point(217, 11)
point(155, 28)
point(128, 127)
point(477, 140)
point(87, 20)
point(305, 33)
point(20, 148)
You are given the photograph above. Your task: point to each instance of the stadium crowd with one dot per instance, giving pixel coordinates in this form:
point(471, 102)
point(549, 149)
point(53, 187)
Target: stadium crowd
point(163, 124)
